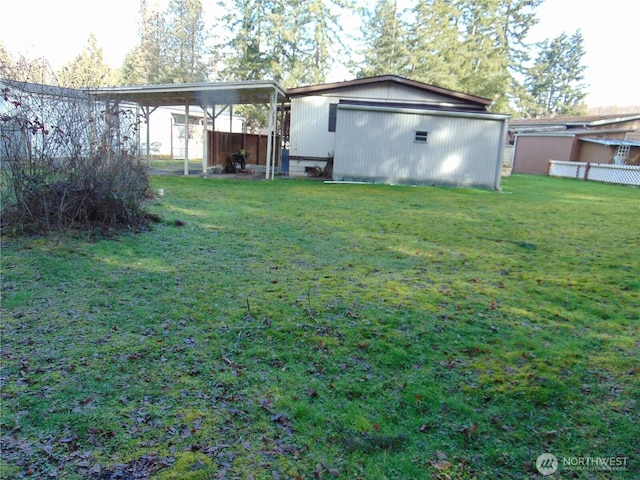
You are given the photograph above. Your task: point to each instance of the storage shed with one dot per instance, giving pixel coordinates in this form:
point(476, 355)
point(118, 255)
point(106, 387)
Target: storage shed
point(390, 129)
point(606, 150)
point(539, 140)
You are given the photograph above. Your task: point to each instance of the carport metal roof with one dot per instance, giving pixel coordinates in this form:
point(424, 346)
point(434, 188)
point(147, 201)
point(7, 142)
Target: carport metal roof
point(212, 93)
point(204, 95)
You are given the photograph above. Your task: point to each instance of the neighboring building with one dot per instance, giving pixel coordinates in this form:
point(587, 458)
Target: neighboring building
point(395, 130)
point(605, 150)
point(597, 139)
point(63, 107)
point(167, 132)
point(48, 123)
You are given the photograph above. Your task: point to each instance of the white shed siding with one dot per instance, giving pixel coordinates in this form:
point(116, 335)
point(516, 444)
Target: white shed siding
point(310, 136)
point(461, 149)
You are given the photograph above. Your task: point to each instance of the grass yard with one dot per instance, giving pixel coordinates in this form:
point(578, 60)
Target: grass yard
point(293, 329)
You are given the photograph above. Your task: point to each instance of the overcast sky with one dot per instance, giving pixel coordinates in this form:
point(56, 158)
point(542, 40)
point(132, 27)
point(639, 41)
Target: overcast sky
point(58, 30)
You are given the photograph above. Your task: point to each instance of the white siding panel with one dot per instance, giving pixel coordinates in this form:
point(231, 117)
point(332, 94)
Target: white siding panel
point(310, 135)
point(378, 145)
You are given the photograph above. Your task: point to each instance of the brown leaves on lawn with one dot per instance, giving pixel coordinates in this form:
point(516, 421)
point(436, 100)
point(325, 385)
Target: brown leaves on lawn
point(140, 468)
point(50, 457)
point(445, 468)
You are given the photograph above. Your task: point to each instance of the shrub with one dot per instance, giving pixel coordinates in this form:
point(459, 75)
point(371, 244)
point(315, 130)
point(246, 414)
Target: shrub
point(68, 161)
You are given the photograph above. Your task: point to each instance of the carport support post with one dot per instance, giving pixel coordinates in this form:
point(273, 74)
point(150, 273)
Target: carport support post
point(186, 138)
point(279, 143)
point(214, 145)
point(147, 116)
point(270, 139)
point(205, 138)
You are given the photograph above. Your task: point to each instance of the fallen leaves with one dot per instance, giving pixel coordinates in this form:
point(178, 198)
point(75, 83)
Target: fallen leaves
point(446, 468)
point(469, 431)
point(140, 468)
point(283, 421)
point(49, 457)
point(441, 464)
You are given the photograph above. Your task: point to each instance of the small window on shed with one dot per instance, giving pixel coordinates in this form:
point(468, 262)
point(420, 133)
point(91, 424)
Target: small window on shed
point(333, 115)
point(421, 137)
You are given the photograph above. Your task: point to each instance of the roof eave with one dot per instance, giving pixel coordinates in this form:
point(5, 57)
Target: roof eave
point(629, 118)
point(327, 87)
point(567, 133)
point(611, 142)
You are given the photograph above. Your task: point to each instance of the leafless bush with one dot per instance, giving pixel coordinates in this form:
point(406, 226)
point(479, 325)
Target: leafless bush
point(68, 160)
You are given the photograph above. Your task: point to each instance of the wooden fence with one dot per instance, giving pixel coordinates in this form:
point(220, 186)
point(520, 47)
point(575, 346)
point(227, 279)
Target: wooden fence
point(221, 144)
point(600, 172)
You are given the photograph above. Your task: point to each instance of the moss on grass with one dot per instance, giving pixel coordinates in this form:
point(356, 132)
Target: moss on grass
point(284, 317)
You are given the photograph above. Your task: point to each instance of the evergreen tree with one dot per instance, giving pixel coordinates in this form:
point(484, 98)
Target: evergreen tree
point(6, 61)
point(475, 46)
point(555, 80)
point(518, 17)
point(321, 40)
point(133, 68)
point(22, 69)
point(435, 44)
point(494, 47)
point(172, 46)
point(147, 63)
point(485, 61)
point(291, 41)
point(186, 42)
point(385, 41)
point(88, 69)
point(246, 58)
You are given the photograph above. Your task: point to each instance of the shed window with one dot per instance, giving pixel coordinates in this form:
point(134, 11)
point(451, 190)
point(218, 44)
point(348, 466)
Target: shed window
point(333, 115)
point(421, 137)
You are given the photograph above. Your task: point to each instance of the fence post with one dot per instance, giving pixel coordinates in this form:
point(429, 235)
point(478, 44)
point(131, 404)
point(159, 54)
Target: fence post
point(586, 171)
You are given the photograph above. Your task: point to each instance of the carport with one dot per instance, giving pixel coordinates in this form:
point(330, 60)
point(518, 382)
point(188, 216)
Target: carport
point(213, 98)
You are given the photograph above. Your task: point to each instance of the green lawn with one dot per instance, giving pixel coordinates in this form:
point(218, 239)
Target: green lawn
point(294, 329)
